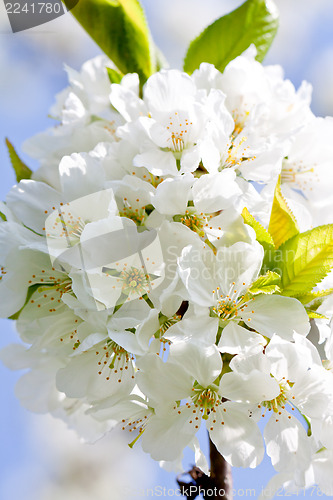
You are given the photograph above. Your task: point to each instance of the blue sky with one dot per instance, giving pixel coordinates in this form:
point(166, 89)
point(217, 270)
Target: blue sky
point(31, 66)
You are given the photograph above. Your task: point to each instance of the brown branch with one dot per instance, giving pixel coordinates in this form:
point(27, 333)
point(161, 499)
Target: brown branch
point(220, 473)
point(217, 486)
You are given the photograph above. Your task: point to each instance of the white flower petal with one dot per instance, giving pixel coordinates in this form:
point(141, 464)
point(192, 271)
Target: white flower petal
point(172, 195)
point(238, 439)
point(167, 91)
point(254, 387)
point(199, 329)
point(322, 429)
point(147, 328)
point(236, 339)
point(287, 443)
point(203, 363)
point(213, 192)
point(127, 102)
point(30, 200)
point(239, 264)
point(80, 174)
point(197, 278)
point(166, 437)
point(163, 382)
point(270, 314)
point(157, 162)
point(200, 459)
point(322, 466)
point(190, 159)
point(313, 392)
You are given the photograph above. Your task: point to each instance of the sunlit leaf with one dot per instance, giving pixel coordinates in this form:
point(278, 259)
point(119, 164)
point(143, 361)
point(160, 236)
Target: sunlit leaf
point(255, 21)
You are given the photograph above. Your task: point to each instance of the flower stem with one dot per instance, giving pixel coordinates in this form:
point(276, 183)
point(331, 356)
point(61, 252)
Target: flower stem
point(220, 474)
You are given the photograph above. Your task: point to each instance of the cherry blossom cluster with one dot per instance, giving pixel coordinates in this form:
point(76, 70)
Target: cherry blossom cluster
point(137, 284)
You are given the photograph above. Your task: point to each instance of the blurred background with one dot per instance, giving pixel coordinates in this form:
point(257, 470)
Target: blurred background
point(39, 458)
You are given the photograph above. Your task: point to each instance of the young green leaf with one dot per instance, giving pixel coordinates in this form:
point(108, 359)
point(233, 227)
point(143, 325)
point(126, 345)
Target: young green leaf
point(314, 314)
point(315, 296)
point(119, 27)
point(20, 168)
point(305, 260)
point(255, 21)
point(262, 236)
point(282, 224)
point(268, 284)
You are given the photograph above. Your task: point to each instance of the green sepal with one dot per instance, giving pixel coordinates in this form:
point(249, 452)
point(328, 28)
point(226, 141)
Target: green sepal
point(3, 217)
point(22, 171)
point(114, 75)
point(31, 290)
point(306, 259)
point(120, 28)
point(226, 358)
point(267, 284)
point(255, 21)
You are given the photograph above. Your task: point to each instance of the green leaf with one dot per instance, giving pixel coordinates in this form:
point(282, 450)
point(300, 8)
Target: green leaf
point(317, 295)
point(20, 168)
point(267, 284)
point(282, 224)
point(119, 27)
point(305, 260)
point(114, 75)
point(262, 236)
point(3, 217)
point(255, 21)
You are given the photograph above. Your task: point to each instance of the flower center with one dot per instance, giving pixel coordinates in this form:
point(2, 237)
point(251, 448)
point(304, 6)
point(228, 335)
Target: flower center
point(66, 225)
point(302, 176)
point(135, 280)
point(179, 127)
point(230, 306)
point(137, 215)
point(235, 154)
point(240, 118)
point(205, 399)
point(49, 294)
point(194, 221)
point(111, 127)
point(280, 401)
point(114, 361)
